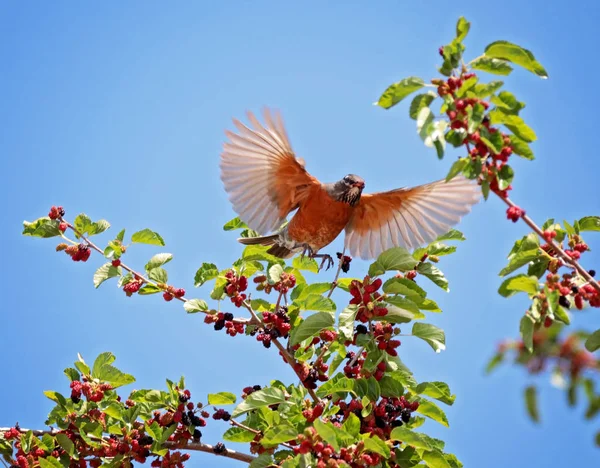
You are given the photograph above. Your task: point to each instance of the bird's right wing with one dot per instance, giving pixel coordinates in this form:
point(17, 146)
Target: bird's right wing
point(408, 217)
point(264, 179)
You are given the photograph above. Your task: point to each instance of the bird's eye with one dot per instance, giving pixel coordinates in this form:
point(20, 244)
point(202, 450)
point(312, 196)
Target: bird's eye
point(347, 180)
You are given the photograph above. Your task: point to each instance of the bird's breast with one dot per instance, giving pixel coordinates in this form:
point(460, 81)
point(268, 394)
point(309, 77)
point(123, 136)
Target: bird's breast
point(319, 220)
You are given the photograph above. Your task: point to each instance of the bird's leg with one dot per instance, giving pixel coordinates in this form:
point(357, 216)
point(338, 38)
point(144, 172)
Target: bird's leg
point(325, 258)
point(306, 250)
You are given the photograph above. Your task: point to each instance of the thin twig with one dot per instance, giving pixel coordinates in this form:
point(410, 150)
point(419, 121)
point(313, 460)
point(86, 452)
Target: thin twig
point(195, 446)
point(571, 261)
point(141, 277)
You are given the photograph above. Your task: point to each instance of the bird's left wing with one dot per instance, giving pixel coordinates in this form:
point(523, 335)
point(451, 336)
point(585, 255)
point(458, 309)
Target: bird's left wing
point(408, 217)
point(264, 179)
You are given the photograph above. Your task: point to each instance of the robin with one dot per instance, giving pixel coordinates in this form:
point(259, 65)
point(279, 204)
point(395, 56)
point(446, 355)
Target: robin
point(266, 181)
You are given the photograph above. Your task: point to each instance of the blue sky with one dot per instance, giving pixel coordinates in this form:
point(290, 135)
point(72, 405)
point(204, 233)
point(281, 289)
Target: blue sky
point(118, 110)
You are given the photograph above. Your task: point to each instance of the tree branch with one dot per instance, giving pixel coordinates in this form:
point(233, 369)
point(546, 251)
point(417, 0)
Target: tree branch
point(194, 446)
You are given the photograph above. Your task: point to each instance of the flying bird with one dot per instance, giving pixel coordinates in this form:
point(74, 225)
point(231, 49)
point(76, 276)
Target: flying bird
point(266, 181)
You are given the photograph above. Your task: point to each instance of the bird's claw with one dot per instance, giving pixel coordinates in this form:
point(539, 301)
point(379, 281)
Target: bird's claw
point(329, 260)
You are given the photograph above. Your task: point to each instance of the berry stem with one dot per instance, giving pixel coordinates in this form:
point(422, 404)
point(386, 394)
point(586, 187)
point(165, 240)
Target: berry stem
point(568, 260)
point(337, 273)
point(284, 352)
point(195, 446)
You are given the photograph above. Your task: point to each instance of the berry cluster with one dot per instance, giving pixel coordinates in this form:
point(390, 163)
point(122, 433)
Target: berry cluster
point(78, 253)
point(354, 367)
point(345, 259)
point(221, 414)
point(354, 456)
point(366, 296)
point(92, 391)
point(249, 390)
point(133, 286)
point(225, 320)
point(383, 335)
point(514, 213)
point(310, 414)
point(235, 287)
point(275, 325)
point(171, 292)
point(311, 374)
point(56, 212)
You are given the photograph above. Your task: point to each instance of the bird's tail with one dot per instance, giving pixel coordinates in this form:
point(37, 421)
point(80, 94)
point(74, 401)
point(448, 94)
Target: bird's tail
point(276, 249)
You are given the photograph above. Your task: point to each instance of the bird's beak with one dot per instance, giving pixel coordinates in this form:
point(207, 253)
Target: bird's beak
point(360, 185)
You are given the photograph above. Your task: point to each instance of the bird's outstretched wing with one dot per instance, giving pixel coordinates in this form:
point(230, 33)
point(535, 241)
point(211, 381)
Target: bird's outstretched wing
point(408, 217)
point(263, 177)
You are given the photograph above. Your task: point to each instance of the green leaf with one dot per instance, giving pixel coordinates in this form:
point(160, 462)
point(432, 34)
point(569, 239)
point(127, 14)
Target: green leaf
point(404, 286)
point(237, 434)
point(391, 387)
point(457, 168)
point(305, 263)
point(526, 329)
point(158, 260)
point(494, 362)
point(279, 434)
point(115, 377)
point(438, 390)
point(519, 259)
point(519, 283)
point(259, 252)
point(462, 29)
point(263, 461)
point(521, 148)
point(105, 272)
point(408, 457)
point(505, 177)
point(316, 302)
point(425, 123)
point(452, 234)
point(159, 275)
point(192, 306)
point(337, 384)
point(206, 272)
point(146, 236)
point(275, 273)
point(432, 411)
point(514, 123)
point(414, 439)
point(593, 341)
point(103, 359)
point(419, 102)
point(42, 227)
point(376, 445)
point(398, 91)
point(491, 65)
point(149, 289)
point(517, 55)
point(394, 259)
point(434, 336)
point(235, 223)
point(434, 274)
point(399, 315)
point(531, 403)
point(72, 374)
point(456, 137)
point(508, 103)
point(483, 90)
point(302, 292)
point(260, 399)
point(346, 322)
point(221, 398)
point(352, 425)
point(56, 397)
point(589, 223)
point(311, 326)
point(466, 86)
point(50, 462)
point(436, 459)
point(328, 432)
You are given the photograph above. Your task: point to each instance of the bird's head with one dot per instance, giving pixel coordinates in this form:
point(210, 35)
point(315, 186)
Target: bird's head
point(349, 189)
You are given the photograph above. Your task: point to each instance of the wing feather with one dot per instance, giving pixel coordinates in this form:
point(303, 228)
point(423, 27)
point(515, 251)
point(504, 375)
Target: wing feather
point(408, 217)
point(264, 179)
